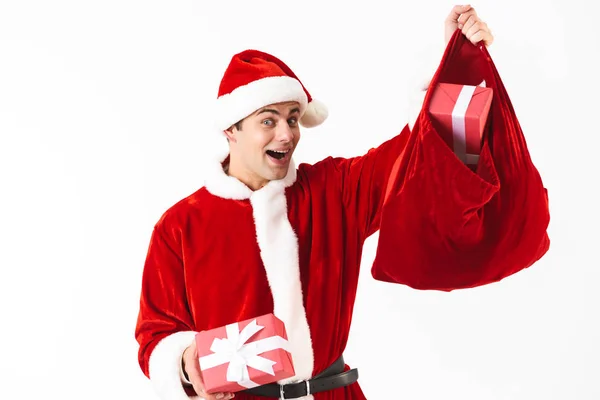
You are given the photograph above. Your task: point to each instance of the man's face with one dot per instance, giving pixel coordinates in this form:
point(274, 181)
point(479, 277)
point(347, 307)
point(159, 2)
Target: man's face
point(262, 149)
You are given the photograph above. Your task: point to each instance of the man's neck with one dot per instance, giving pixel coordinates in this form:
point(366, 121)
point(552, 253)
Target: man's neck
point(253, 181)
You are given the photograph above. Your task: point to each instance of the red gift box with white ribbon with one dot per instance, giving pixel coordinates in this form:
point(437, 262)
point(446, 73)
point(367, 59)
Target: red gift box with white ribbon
point(244, 354)
point(459, 114)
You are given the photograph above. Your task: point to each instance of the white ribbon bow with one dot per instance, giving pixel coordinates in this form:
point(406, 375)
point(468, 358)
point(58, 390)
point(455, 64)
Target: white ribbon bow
point(241, 355)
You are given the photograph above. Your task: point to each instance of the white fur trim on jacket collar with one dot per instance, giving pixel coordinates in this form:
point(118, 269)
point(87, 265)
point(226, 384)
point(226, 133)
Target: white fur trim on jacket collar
point(279, 252)
point(218, 183)
point(244, 100)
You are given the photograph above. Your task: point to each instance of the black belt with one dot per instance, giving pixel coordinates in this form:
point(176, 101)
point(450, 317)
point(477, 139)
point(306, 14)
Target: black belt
point(332, 378)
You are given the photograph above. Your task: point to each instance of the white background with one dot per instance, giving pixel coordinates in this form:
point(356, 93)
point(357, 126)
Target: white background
point(104, 123)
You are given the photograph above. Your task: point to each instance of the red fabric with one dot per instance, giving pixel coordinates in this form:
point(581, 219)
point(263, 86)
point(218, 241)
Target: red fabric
point(251, 65)
point(445, 227)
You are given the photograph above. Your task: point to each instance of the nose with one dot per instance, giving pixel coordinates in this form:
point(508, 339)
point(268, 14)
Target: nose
point(284, 133)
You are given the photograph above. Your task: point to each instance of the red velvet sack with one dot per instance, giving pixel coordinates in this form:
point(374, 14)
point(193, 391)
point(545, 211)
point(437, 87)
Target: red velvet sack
point(444, 226)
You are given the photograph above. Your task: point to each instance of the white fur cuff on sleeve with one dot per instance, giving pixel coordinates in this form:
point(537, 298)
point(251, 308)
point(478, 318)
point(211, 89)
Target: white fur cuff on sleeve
point(165, 366)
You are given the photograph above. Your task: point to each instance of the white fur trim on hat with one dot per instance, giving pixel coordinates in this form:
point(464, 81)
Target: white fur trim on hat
point(316, 112)
point(245, 100)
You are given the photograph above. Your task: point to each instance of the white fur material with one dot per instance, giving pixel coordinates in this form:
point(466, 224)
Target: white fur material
point(279, 252)
point(244, 100)
point(165, 366)
point(316, 113)
point(219, 183)
point(222, 185)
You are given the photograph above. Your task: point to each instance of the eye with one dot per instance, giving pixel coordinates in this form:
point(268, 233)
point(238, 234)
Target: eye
point(293, 121)
point(268, 122)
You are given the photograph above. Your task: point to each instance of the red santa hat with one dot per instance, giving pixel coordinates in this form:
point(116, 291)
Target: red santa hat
point(255, 79)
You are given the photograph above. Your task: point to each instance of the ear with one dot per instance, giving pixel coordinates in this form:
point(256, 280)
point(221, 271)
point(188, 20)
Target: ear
point(230, 134)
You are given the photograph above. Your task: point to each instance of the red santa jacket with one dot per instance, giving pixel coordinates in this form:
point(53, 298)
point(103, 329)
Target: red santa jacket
point(226, 253)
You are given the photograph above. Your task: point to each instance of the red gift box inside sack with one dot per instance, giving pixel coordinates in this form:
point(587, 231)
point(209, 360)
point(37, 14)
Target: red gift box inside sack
point(244, 354)
point(459, 114)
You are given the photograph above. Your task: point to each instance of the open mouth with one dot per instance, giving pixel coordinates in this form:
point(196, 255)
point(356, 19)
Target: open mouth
point(278, 154)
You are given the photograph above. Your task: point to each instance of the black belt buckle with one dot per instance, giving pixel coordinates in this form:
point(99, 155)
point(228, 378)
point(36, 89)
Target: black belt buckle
point(282, 390)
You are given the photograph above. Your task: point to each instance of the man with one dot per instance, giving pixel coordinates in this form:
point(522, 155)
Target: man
point(264, 236)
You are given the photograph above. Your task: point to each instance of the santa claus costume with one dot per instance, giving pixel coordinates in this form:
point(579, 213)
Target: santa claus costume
point(292, 248)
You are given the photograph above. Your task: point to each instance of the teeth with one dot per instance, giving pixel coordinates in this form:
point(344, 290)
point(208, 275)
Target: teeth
point(279, 151)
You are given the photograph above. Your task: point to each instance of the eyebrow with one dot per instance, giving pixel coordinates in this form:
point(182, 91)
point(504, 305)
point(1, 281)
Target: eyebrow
point(271, 110)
